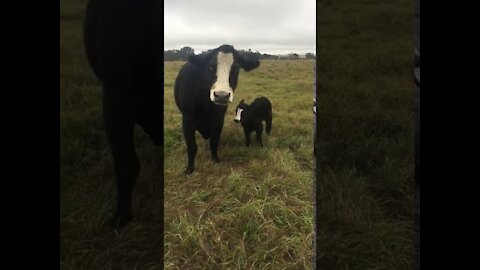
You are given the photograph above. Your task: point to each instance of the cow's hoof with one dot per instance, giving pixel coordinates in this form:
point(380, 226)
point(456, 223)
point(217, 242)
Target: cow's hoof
point(120, 220)
point(189, 170)
point(216, 160)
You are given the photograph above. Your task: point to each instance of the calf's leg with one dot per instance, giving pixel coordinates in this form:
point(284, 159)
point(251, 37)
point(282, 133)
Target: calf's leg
point(247, 137)
point(258, 131)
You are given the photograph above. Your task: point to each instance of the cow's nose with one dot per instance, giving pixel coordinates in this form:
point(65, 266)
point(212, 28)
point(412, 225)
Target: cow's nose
point(221, 94)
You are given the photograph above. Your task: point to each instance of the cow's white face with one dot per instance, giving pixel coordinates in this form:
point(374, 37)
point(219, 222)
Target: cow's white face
point(238, 116)
point(221, 93)
point(219, 70)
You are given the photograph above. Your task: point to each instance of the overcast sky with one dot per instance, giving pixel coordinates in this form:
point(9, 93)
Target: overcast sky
point(267, 26)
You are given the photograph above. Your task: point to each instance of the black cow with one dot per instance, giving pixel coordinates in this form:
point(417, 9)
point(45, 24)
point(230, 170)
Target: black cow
point(123, 44)
point(251, 117)
point(203, 89)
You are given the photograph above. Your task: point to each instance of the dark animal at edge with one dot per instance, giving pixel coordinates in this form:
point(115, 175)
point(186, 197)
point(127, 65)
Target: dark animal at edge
point(123, 44)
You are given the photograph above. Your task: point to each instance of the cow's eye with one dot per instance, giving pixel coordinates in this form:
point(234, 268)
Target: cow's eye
point(211, 67)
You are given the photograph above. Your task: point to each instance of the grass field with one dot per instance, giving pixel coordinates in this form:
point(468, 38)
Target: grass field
point(365, 168)
point(255, 209)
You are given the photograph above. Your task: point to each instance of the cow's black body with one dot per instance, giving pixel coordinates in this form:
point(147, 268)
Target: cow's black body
point(123, 45)
point(252, 117)
point(192, 96)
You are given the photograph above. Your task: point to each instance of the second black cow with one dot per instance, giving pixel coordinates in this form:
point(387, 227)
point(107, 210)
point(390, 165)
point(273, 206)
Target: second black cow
point(123, 46)
point(203, 89)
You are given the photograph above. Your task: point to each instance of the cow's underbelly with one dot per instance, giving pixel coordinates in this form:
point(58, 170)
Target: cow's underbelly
point(204, 125)
point(205, 132)
point(208, 123)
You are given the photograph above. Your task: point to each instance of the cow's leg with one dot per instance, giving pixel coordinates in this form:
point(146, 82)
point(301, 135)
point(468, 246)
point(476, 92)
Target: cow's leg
point(214, 146)
point(217, 126)
point(258, 131)
point(247, 137)
point(189, 134)
point(119, 129)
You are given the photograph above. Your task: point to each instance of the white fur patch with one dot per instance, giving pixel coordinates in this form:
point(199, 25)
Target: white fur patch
point(239, 115)
point(224, 65)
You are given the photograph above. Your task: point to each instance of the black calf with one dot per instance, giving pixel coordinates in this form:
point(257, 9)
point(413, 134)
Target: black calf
point(251, 117)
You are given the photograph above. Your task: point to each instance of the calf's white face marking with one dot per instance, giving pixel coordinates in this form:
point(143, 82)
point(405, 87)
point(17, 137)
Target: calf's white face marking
point(224, 65)
point(239, 115)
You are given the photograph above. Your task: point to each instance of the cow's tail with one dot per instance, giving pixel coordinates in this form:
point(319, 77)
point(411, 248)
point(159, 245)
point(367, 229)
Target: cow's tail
point(268, 120)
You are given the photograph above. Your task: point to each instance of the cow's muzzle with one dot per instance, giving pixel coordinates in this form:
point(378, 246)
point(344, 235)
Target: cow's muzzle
point(221, 97)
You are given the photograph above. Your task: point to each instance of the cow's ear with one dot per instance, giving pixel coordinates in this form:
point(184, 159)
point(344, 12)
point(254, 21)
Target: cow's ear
point(198, 60)
point(248, 63)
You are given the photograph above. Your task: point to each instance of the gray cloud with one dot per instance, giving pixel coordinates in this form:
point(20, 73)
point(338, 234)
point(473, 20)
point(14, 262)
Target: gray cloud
point(267, 26)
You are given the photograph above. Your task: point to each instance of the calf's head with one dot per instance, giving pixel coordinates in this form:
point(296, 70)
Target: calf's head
point(238, 112)
point(220, 68)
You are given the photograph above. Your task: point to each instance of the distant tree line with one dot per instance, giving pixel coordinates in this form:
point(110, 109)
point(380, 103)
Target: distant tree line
point(183, 53)
point(178, 55)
